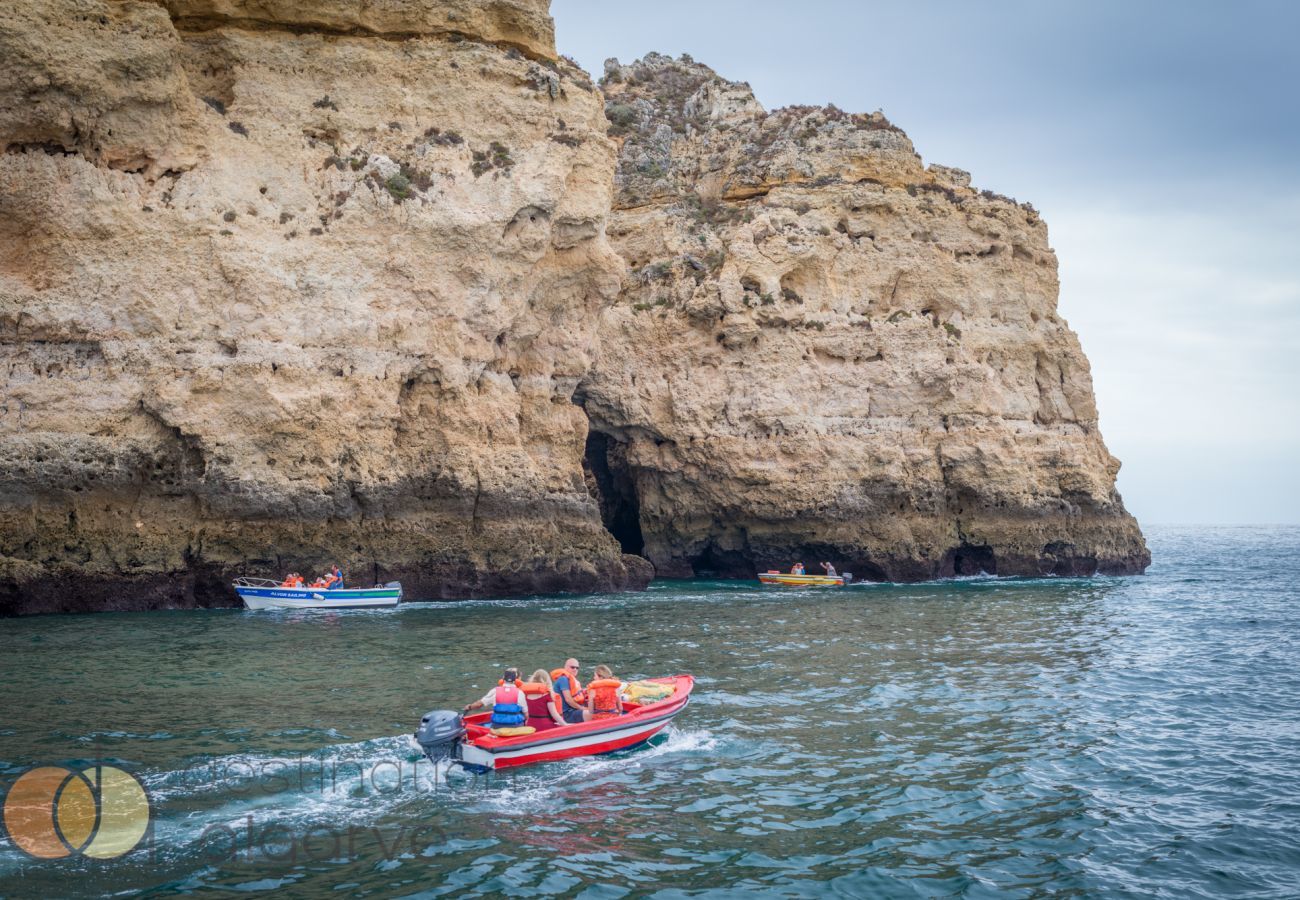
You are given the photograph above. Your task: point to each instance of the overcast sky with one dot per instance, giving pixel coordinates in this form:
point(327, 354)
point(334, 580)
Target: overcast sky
point(1160, 140)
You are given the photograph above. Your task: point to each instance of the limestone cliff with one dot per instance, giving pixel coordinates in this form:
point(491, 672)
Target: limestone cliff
point(288, 283)
point(826, 350)
point(285, 282)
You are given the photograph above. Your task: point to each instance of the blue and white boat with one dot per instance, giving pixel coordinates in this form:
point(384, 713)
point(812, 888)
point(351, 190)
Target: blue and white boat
point(261, 593)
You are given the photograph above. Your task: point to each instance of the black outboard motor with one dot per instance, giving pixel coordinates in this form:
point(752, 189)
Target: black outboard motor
point(439, 734)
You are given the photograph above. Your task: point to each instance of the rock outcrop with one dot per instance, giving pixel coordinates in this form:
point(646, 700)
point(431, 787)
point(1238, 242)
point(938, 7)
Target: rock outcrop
point(283, 283)
point(288, 283)
point(826, 350)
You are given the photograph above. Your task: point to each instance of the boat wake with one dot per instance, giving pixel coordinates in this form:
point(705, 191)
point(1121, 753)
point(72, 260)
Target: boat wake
point(351, 787)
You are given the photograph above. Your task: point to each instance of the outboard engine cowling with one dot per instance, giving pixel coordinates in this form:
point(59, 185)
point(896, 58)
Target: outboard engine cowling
point(439, 734)
point(848, 577)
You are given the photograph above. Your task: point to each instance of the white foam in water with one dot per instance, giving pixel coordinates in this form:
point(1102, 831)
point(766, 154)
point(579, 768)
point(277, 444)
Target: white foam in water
point(241, 772)
point(532, 790)
point(365, 790)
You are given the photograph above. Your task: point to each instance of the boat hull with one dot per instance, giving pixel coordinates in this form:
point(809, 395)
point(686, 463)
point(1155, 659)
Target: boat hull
point(483, 751)
point(295, 598)
point(802, 580)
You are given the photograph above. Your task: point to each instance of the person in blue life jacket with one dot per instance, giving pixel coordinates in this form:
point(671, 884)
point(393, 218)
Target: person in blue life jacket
point(565, 684)
point(509, 706)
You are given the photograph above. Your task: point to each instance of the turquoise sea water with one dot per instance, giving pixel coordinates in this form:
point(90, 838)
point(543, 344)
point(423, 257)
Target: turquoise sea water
point(984, 737)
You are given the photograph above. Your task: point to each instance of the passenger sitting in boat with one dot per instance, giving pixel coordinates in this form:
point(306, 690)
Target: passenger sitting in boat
point(830, 570)
point(796, 569)
point(509, 707)
point(569, 690)
point(334, 580)
point(603, 699)
point(291, 580)
point(543, 705)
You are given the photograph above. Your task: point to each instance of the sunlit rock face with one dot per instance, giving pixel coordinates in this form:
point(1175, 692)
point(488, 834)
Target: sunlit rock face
point(826, 350)
point(285, 283)
point(288, 283)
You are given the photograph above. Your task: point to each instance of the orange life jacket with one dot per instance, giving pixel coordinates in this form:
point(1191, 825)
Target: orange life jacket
point(605, 696)
point(579, 695)
point(528, 687)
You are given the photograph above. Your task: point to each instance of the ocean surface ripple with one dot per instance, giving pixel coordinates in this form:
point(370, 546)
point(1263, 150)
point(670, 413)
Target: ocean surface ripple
point(974, 738)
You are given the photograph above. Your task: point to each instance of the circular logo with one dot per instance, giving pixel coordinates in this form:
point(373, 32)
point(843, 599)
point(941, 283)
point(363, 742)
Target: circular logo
point(53, 812)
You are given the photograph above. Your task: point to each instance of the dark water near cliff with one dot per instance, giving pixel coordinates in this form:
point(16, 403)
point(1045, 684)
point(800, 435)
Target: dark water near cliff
point(1090, 737)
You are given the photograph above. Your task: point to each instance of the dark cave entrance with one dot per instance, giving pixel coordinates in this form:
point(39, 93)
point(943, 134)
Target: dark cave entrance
point(715, 562)
point(968, 560)
point(609, 478)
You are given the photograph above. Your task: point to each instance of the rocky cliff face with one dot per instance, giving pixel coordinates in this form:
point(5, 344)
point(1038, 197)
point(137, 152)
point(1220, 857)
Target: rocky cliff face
point(826, 350)
point(288, 283)
point(283, 283)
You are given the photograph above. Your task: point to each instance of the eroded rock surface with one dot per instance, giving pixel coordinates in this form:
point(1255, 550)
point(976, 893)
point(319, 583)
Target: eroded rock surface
point(826, 350)
point(288, 283)
point(276, 296)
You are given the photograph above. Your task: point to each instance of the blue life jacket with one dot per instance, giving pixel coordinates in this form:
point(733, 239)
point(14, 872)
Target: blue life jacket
point(508, 715)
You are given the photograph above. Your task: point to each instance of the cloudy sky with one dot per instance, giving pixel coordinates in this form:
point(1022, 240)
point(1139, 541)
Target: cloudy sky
point(1161, 141)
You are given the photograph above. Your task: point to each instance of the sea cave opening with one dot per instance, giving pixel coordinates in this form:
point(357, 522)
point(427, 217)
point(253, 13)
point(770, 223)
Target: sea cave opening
point(968, 561)
point(609, 478)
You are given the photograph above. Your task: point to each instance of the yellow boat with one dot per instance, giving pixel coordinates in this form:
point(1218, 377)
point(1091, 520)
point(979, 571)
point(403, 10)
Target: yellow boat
point(805, 580)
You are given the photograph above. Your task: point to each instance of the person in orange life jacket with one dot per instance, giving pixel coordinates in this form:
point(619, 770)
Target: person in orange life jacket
point(547, 705)
point(509, 706)
point(334, 580)
point(569, 690)
point(797, 569)
point(603, 700)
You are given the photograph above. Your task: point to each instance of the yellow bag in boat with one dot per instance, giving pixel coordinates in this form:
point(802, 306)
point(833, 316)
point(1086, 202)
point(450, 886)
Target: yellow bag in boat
point(517, 731)
point(648, 691)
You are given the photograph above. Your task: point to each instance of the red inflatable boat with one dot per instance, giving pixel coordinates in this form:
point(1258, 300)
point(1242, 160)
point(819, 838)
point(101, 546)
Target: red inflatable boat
point(467, 740)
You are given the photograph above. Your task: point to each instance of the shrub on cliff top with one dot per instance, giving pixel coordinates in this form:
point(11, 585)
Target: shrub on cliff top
point(399, 186)
point(622, 116)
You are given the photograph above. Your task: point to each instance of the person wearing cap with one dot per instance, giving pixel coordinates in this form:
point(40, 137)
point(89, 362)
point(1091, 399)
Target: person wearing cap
point(509, 707)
